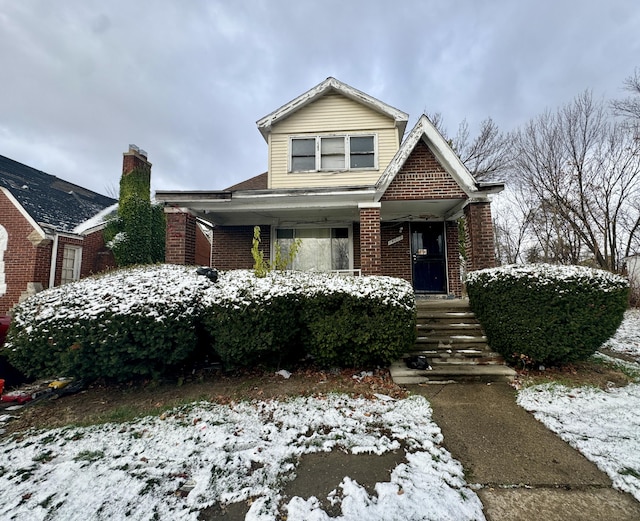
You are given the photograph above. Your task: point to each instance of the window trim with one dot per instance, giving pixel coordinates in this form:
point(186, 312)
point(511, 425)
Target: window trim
point(347, 153)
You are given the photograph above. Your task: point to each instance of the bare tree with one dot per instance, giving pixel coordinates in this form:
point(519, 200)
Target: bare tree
point(629, 107)
point(487, 155)
point(584, 171)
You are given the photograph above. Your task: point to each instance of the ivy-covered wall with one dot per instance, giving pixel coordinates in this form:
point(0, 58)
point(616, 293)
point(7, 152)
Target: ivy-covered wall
point(137, 234)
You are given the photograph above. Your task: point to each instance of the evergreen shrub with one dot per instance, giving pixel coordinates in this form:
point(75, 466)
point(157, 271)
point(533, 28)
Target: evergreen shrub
point(354, 329)
point(138, 322)
point(339, 321)
point(547, 314)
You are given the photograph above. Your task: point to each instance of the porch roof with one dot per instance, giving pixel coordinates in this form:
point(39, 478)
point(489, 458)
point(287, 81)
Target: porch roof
point(298, 206)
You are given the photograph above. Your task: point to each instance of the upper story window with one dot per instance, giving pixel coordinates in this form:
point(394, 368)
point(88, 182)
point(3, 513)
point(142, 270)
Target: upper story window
point(333, 153)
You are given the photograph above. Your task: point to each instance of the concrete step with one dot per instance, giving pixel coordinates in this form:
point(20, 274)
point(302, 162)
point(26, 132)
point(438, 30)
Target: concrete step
point(458, 356)
point(445, 328)
point(443, 316)
point(403, 375)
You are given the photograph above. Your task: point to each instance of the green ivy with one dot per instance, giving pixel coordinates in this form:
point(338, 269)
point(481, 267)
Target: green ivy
point(137, 234)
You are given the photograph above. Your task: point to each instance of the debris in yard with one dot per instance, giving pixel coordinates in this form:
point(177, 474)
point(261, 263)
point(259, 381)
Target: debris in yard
point(184, 490)
point(362, 375)
point(284, 373)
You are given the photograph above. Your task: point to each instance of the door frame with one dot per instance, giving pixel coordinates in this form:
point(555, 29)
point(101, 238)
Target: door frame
point(445, 253)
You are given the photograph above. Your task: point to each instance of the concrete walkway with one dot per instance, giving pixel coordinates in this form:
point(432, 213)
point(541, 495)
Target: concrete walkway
point(526, 472)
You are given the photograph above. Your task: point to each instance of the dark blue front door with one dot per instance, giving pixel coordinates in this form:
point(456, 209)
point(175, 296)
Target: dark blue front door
point(428, 254)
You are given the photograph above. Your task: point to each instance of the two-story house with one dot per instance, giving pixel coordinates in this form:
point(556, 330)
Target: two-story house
point(359, 195)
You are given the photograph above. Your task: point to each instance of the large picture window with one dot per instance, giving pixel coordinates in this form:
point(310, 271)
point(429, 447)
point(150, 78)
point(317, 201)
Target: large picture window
point(350, 152)
point(321, 249)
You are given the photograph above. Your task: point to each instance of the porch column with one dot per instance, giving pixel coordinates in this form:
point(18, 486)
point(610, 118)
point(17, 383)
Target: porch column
point(181, 236)
point(479, 239)
point(370, 245)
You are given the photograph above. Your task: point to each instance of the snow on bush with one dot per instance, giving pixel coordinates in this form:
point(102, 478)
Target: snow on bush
point(126, 323)
point(546, 313)
point(146, 320)
point(340, 321)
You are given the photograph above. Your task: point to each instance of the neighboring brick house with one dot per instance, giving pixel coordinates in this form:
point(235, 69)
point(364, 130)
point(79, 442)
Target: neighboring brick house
point(360, 198)
point(41, 240)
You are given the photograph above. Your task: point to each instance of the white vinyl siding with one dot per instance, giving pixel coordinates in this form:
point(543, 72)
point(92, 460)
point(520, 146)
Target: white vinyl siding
point(332, 114)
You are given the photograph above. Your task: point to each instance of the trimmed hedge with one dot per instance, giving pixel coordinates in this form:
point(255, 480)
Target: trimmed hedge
point(360, 325)
point(339, 321)
point(148, 321)
point(251, 320)
point(124, 324)
point(545, 313)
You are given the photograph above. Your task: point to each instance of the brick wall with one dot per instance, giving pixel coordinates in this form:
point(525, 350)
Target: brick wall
point(24, 262)
point(96, 257)
point(396, 258)
point(370, 254)
point(203, 248)
point(479, 239)
point(232, 246)
point(181, 238)
point(453, 258)
point(422, 177)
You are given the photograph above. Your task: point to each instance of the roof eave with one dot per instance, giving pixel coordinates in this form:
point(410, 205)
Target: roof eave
point(331, 84)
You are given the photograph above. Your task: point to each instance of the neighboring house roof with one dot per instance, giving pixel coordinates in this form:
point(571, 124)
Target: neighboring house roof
point(259, 182)
point(50, 201)
point(331, 85)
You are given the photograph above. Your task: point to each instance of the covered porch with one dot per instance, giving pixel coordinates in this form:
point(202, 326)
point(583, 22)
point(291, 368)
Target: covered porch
point(341, 229)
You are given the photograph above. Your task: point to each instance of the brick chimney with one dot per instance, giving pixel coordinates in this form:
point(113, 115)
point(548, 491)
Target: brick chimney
point(134, 158)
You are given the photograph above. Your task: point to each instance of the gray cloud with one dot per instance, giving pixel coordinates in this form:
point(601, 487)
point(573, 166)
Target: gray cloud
point(186, 81)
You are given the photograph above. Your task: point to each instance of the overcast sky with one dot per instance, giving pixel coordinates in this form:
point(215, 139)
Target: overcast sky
point(187, 80)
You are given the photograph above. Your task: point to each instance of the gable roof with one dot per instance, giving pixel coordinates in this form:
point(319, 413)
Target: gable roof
point(50, 201)
point(425, 130)
point(331, 85)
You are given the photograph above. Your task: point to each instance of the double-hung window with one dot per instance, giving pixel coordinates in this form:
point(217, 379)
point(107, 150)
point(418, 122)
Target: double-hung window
point(330, 153)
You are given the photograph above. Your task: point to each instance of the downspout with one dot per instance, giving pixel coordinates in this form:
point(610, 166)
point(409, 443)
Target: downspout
point(54, 261)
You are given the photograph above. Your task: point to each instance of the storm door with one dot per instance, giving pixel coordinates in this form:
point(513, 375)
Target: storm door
point(428, 252)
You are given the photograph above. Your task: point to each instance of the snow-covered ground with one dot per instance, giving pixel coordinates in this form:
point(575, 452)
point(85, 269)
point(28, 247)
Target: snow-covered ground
point(627, 338)
point(603, 425)
point(231, 453)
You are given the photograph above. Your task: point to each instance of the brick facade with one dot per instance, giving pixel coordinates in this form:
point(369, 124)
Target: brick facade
point(422, 177)
point(453, 258)
point(24, 261)
point(232, 246)
point(370, 254)
point(203, 248)
point(181, 237)
point(96, 257)
point(396, 258)
point(479, 238)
